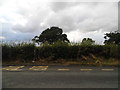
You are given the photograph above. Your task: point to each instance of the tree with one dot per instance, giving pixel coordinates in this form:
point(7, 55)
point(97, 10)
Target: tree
point(112, 38)
point(51, 35)
point(87, 41)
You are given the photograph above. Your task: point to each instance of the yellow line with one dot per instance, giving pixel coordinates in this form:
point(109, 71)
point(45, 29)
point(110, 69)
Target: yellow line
point(63, 69)
point(22, 66)
point(13, 68)
point(107, 69)
point(86, 69)
point(39, 68)
point(35, 69)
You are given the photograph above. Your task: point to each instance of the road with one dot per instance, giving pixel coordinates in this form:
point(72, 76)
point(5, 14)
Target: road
point(59, 77)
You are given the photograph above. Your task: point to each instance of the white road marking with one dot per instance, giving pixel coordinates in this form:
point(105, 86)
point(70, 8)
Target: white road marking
point(86, 69)
point(63, 69)
point(13, 68)
point(39, 68)
point(107, 69)
point(44, 68)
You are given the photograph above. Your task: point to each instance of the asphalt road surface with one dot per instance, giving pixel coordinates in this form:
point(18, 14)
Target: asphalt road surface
point(59, 77)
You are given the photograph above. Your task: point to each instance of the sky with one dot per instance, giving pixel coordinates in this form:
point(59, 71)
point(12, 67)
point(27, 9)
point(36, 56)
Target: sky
point(21, 20)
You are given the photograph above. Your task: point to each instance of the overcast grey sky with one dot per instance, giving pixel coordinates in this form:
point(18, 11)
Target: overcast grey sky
point(23, 19)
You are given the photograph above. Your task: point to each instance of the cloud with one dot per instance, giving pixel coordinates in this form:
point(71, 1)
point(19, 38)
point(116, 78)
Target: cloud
point(76, 36)
point(58, 6)
point(70, 16)
point(86, 17)
point(8, 34)
point(32, 17)
point(1, 37)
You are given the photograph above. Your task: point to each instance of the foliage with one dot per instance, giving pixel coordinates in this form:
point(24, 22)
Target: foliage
point(59, 50)
point(51, 35)
point(21, 51)
point(87, 41)
point(112, 38)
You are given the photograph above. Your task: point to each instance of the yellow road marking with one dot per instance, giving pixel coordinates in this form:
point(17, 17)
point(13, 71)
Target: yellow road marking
point(39, 68)
point(107, 69)
point(63, 69)
point(86, 69)
point(13, 68)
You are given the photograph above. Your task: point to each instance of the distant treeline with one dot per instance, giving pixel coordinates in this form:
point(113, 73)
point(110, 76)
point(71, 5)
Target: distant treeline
point(58, 50)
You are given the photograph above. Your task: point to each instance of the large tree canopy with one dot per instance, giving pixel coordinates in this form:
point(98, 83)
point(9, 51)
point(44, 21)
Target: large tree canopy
point(51, 35)
point(112, 38)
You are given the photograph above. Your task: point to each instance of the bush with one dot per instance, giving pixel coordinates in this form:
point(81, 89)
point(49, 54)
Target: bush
point(21, 51)
point(59, 50)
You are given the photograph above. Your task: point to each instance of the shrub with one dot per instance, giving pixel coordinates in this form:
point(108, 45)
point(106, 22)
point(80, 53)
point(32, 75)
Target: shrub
point(20, 51)
point(59, 50)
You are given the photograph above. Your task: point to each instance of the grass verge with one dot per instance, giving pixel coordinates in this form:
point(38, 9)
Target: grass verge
point(109, 62)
